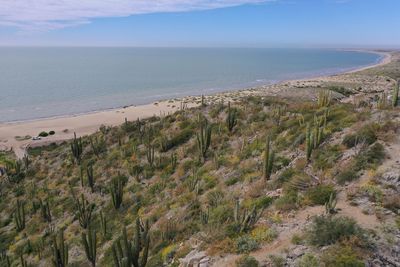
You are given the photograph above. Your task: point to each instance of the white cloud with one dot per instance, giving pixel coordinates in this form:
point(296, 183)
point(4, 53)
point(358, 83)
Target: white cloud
point(44, 15)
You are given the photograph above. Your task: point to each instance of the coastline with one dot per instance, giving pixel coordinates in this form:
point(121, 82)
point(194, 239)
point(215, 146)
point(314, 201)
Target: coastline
point(88, 123)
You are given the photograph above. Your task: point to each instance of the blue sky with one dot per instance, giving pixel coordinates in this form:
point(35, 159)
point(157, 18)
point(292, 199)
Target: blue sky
point(237, 23)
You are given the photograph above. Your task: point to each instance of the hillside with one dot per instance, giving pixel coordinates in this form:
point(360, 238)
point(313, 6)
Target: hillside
point(304, 173)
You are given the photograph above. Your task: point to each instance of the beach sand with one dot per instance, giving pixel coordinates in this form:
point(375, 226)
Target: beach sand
point(85, 124)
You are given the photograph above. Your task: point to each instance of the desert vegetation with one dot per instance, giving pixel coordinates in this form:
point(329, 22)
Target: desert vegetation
point(218, 179)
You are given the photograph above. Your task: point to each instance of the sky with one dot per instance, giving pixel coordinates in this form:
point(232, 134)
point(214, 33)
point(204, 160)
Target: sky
point(201, 23)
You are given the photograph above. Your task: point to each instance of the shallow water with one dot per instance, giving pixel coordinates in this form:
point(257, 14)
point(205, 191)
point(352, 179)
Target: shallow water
point(47, 82)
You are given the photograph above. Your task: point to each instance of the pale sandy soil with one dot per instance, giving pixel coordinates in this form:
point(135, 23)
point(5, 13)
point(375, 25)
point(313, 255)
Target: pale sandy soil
point(81, 124)
point(89, 123)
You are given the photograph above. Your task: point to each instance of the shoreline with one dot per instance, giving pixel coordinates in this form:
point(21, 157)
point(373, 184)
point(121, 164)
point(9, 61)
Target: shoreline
point(88, 123)
point(384, 59)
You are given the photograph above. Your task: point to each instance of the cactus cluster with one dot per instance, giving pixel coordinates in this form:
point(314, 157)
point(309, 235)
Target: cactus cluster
point(382, 101)
point(269, 156)
point(277, 113)
point(14, 171)
point(315, 134)
point(60, 251)
point(26, 161)
point(244, 218)
point(150, 154)
point(330, 205)
point(90, 176)
point(324, 98)
point(45, 210)
point(89, 242)
point(103, 224)
point(127, 253)
point(231, 118)
point(19, 216)
point(77, 149)
point(205, 216)
point(4, 259)
point(117, 191)
point(395, 96)
point(98, 145)
point(203, 137)
point(84, 211)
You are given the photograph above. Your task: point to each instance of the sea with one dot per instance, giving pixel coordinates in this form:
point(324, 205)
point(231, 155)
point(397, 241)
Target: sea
point(43, 82)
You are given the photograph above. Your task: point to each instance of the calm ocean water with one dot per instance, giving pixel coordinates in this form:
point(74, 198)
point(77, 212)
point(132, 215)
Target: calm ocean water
point(46, 82)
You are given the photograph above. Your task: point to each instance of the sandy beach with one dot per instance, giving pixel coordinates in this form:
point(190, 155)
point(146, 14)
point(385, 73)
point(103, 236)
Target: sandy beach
point(85, 124)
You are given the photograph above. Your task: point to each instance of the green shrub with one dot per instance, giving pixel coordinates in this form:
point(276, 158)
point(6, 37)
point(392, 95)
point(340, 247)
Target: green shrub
point(247, 261)
point(246, 244)
point(277, 260)
point(231, 181)
point(341, 90)
point(308, 260)
point(341, 257)
point(349, 174)
point(177, 140)
point(288, 201)
point(262, 202)
point(52, 133)
point(326, 157)
point(320, 194)
point(326, 230)
point(369, 158)
point(43, 134)
point(366, 135)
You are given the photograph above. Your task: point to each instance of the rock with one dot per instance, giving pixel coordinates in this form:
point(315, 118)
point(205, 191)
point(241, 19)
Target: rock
point(275, 194)
point(377, 263)
point(297, 252)
point(204, 262)
point(392, 178)
point(195, 258)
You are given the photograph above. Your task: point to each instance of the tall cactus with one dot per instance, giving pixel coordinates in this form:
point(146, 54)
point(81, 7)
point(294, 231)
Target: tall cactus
point(45, 210)
point(317, 136)
point(324, 98)
point(309, 142)
point(269, 156)
point(231, 118)
point(150, 153)
point(173, 161)
point(203, 137)
point(85, 210)
point(89, 242)
point(117, 191)
point(395, 97)
point(60, 251)
point(382, 101)
point(23, 262)
point(19, 216)
point(103, 224)
point(77, 149)
point(330, 206)
point(134, 252)
point(4, 259)
point(26, 161)
point(98, 145)
point(245, 219)
point(90, 176)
